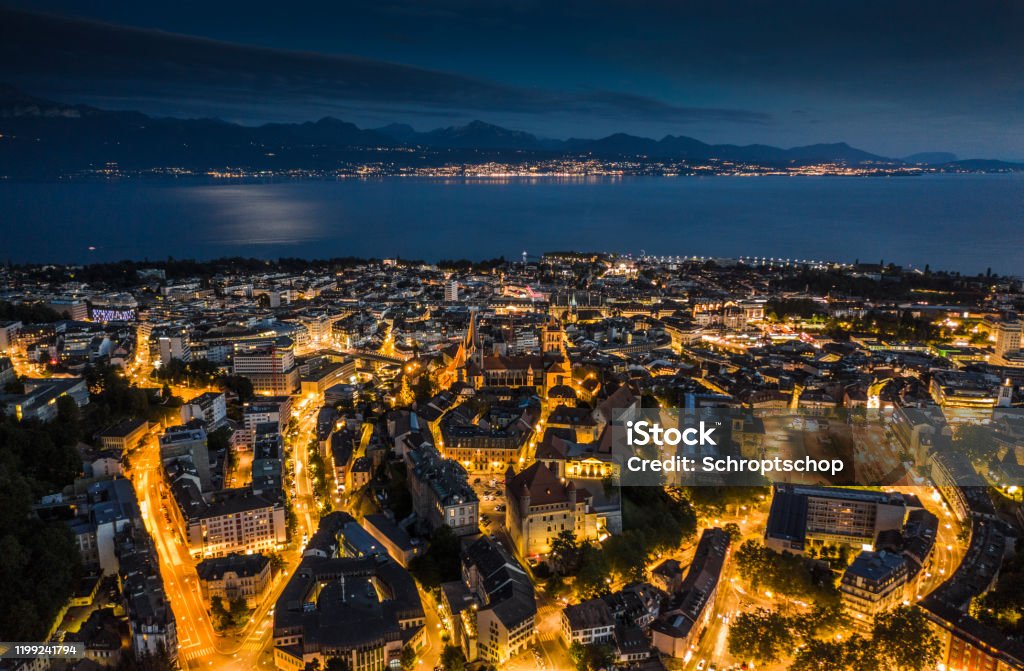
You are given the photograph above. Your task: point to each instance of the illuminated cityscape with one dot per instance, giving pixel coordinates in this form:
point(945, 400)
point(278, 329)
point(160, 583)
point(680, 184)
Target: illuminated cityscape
point(405, 335)
point(257, 460)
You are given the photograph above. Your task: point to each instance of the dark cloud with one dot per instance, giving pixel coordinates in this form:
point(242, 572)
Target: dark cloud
point(891, 77)
point(101, 60)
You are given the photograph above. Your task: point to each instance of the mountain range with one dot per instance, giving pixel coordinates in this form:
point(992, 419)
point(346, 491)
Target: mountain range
point(41, 137)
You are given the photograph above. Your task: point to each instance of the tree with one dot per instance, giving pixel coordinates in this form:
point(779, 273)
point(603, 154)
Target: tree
point(218, 613)
point(626, 554)
point(452, 659)
point(565, 553)
point(338, 664)
point(903, 640)
point(591, 657)
point(408, 658)
point(761, 635)
point(976, 441)
point(830, 656)
point(594, 573)
point(238, 612)
point(440, 563)
point(405, 395)
point(734, 531)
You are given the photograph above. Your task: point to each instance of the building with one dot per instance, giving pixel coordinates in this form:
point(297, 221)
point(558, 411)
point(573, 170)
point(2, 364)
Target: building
point(108, 511)
point(502, 620)
point(963, 389)
point(580, 421)
point(39, 401)
point(588, 623)
point(125, 435)
point(174, 347)
point(399, 545)
point(873, 584)
point(8, 335)
point(440, 490)
point(277, 410)
point(236, 520)
point(188, 441)
point(69, 307)
point(619, 619)
point(340, 535)
point(319, 379)
point(688, 611)
point(363, 611)
point(489, 443)
point(100, 637)
point(668, 575)
point(540, 507)
point(235, 576)
point(800, 515)
point(451, 291)
point(151, 622)
point(210, 408)
point(7, 372)
point(1008, 351)
point(270, 368)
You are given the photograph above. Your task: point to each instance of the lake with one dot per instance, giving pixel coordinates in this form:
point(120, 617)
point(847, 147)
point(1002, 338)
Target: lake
point(957, 222)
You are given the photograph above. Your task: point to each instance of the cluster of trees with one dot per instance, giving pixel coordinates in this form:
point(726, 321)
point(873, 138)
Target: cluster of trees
point(905, 326)
point(465, 265)
point(441, 562)
point(976, 441)
point(901, 639)
point(585, 561)
point(318, 476)
point(232, 616)
point(200, 372)
point(125, 273)
point(785, 573)
point(713, 501)
point(780, 309)
point(895, 285)
point(591, 657)
point(39, 561)
point(113, 398)
point(1003, 607)
point(28, 313)
point(452, 659)
point(203, 373)
point(395, 477)
point(655, 520)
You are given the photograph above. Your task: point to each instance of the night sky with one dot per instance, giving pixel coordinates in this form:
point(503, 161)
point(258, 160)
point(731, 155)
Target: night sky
point(887, 76)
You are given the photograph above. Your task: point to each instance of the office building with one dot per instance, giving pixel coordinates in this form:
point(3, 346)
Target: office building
point(451, 291)
point(801, 515)
point(270, 368)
